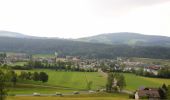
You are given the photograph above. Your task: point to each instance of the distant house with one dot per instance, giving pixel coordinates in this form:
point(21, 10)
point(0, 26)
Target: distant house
point(153, 69)
point(61, 58)
point(147, 93)
point(17, 57)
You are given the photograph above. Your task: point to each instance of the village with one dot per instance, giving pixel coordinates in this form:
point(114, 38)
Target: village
point(122, 64)
point(119, 64)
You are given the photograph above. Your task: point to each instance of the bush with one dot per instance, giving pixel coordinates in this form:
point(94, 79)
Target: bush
point(131, 96)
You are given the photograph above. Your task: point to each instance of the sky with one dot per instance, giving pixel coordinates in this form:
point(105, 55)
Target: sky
point(82, 18)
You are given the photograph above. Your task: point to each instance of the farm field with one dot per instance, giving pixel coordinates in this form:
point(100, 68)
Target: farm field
point(60, 81)
point(150, 61)
point(31, 88)
point(74, 80)
point(18, 63)
point(99, 96)
point(43, 55)
point(134, 82)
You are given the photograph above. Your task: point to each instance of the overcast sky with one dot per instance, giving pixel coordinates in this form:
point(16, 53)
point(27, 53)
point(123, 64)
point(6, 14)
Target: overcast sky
point(81, 18)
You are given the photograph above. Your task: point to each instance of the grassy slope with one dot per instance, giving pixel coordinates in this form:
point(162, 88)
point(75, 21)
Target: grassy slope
point(149, 60)
point(76, 80)
point(134, 82)
point(43, 55)
point(71, 81)
point(62, 81)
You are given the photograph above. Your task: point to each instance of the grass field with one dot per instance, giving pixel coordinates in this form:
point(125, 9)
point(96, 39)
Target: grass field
point(62, 81)
point(18, 63)
point(134, 82)
point(150, 61)
point(99, 96)
point(77, 81)
point(31, 88)
point(43, 55)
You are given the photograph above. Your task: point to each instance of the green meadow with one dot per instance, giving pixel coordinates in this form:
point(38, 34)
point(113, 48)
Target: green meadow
point(60, 81)
point(43, 55)
point(134, 82)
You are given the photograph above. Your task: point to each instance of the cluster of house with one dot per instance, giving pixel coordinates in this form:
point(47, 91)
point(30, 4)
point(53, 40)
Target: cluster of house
point(84, 62)
point(15, 57)
point(131, 65)
point(153, 69)
point(147, 93)
point(94, 63)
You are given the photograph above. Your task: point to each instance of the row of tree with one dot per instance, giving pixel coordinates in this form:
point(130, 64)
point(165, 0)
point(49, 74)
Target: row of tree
point(115, 82)
point(41, 76)
point(60, 65)
point(162, 73)
point(2, 57)
point(3, 86)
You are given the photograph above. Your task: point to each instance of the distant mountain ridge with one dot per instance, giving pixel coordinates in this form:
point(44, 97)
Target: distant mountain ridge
point(121, 38)
point(127, 38)
point(14, 42)
point(20, 35)
point(13, 34)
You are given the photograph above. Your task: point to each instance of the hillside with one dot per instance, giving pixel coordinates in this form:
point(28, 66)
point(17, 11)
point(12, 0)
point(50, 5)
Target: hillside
point(76, 48)
point(132, 39)
point(12, 34)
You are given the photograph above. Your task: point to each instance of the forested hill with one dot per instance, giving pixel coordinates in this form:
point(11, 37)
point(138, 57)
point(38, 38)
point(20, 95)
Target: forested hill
point(128, 38)
point(68, 47)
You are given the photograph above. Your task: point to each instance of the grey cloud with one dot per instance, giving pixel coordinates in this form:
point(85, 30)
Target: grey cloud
point(119, 7)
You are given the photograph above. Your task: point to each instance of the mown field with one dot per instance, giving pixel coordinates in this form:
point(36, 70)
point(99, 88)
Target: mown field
point(134, 82)
point(60, 81)
point(150, 61)
point(98, 96)
point(74, 80)
point(43, 55)
point(18, 63)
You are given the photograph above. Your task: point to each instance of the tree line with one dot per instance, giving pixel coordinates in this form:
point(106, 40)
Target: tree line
point(9, 78)
point(58, 66)
point(164, 72)
point(76, 48)
point(36, 76)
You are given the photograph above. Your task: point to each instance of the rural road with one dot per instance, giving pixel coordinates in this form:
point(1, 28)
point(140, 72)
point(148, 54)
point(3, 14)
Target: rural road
point(64, 94)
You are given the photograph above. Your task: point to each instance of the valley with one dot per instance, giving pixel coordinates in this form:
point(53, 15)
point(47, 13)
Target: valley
point(69, 69)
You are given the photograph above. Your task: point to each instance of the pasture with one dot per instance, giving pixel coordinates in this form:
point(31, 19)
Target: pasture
point(61, 81)
point(43, 55)
point(74, 80)
point(134, 82)
point(151, 61)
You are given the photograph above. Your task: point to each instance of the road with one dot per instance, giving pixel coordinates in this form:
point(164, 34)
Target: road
point(64, 94)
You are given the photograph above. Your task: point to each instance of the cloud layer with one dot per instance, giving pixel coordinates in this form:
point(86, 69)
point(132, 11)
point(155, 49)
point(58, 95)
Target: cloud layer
point(79, 18)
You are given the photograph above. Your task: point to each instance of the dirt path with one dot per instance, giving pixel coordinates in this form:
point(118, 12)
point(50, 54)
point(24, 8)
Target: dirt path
point(102, 73)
